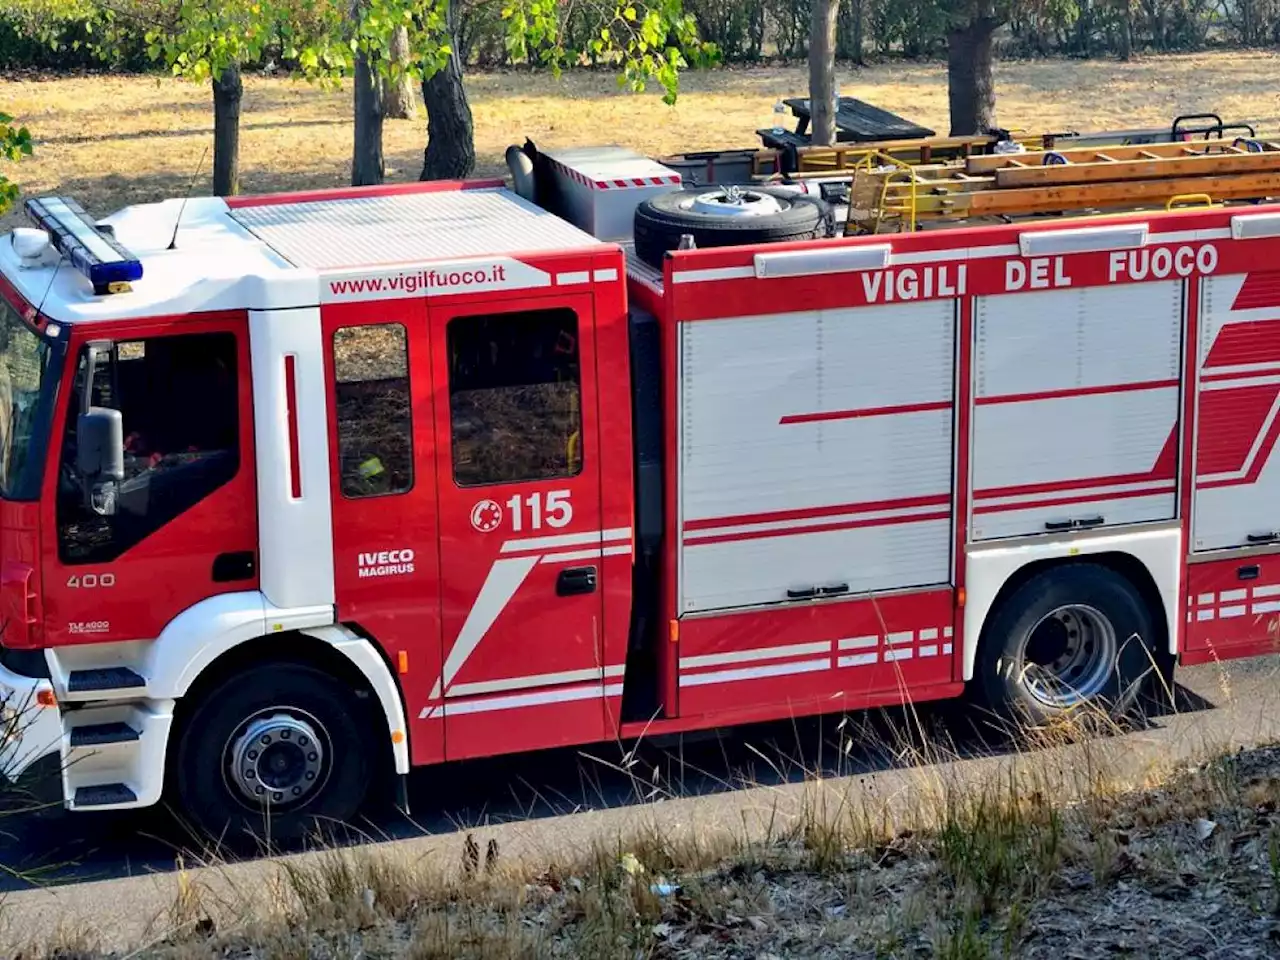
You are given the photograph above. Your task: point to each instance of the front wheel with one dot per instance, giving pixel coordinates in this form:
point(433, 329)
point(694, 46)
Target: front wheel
point(271, 753)
point(1072, 639)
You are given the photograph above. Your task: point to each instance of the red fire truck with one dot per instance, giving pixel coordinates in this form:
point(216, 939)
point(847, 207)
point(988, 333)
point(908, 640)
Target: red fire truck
point(302, 489)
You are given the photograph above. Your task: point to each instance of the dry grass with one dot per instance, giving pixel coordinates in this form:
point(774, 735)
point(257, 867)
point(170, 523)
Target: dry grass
point(117, 140)
point(1001, 868)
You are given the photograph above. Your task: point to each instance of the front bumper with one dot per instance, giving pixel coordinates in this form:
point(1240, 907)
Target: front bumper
point(28, 731)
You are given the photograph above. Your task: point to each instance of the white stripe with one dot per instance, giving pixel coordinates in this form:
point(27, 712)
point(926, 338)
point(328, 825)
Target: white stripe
point(1203, 615)
point(541, 698)
point(858, 660)
point(534, 680)
point(807, 522)
point(568, 279)
point(930, 634)
point(1097, 493)
point(1270, 606)
point(500, 585)
point(604, 276)
point(949, 256)
point(566, 540)
point(903, 654)
point(717, 273)
point(754, 673)
point(593, 554)
point(1271, 366)
point(903, 637)
point(1253, 451)
point(759, 653)
point(858, 643)
point(930, 651)
point(1183, 236)
point(1270, 590)
point(1226, 613)
point(1204, 598)
point(1233, 384)
point(1232, 595)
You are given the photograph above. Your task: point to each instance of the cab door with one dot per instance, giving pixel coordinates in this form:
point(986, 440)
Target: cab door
point(184, 525)
point(520, 525)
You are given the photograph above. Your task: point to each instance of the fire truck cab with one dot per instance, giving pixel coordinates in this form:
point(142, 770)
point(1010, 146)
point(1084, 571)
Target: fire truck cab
point(297, 490)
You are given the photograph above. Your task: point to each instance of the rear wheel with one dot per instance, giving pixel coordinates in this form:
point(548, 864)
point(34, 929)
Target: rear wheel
point(272, 754)
point(1072, 639)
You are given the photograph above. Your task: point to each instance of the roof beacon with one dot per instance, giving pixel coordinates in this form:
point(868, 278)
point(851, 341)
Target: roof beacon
point(107, 264)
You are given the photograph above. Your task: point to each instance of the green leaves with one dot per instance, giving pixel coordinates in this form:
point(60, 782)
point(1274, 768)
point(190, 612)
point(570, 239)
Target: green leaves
point(15, 143)
point(643, 40)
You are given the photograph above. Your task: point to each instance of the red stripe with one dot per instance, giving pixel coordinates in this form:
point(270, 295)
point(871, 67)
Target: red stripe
point(1165, 469)
point(1078, 392)
point(1237, 343)
point(291, 411)
point(1066, 501)
point(821, 528)
point(811, 513)
point(1255, 469)
point(865, 412)
point(1260, 289)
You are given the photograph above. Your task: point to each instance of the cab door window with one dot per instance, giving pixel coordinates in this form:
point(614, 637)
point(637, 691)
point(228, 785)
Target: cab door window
point(178, 400)
point(515, 397)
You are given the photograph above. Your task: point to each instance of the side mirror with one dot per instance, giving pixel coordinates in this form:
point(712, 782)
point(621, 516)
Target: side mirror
point(100, 456)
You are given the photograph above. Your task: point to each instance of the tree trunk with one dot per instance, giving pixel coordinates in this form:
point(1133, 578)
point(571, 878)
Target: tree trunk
point(227, 93)
point(399, 101)
point(366, 155)
point(1126, 30)
point(822, 72)
point(970, 83)
point(451, 148)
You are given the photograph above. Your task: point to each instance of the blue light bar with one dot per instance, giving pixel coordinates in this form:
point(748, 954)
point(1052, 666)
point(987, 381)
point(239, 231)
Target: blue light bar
point(107, 264)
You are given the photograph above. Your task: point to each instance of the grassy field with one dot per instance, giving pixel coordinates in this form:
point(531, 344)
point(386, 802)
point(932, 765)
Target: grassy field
point(116, 140)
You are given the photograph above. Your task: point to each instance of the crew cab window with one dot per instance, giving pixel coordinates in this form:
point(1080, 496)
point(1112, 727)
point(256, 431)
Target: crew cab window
point(515, 397)
point(178, 400)
point(375, 424)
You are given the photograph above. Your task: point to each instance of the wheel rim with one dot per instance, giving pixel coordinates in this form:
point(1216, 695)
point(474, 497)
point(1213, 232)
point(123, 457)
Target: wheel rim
point(279, 757)
point(1068, 656)
point(733, 201)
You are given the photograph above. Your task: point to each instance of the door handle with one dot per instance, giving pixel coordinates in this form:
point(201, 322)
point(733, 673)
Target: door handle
point(576, 581)
point(1251, 572)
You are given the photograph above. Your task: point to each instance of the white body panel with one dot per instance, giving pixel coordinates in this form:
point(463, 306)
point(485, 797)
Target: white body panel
point(1076, 401)
point(1237, 486)
point(989, 566)
point(600, 187)
point(295, 534)
point(834, 424)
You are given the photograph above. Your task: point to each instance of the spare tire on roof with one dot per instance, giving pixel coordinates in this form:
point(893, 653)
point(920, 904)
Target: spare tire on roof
point(724, 216)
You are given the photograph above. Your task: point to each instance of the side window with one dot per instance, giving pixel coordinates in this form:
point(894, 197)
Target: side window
point(515, 397)
point(375, 424)
point(178, 400)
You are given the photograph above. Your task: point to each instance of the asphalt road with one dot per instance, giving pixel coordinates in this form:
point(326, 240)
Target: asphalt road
point(114, 872)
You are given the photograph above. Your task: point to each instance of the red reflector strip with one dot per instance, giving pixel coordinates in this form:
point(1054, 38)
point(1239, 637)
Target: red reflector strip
point(291, 411)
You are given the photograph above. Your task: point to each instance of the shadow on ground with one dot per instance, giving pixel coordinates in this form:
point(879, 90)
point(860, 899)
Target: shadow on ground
point(57, 848)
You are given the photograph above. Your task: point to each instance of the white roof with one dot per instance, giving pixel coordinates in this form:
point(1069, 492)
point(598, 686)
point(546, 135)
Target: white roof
point(410, 228)
point(276, 255)
point(608, 165)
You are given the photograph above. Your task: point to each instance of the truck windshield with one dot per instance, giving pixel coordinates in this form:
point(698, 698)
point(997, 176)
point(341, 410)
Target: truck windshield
point(28, 375)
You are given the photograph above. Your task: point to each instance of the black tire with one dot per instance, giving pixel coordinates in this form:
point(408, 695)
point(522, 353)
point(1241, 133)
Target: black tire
point(660, 222)
point(1022, 629)
point(201, 777)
